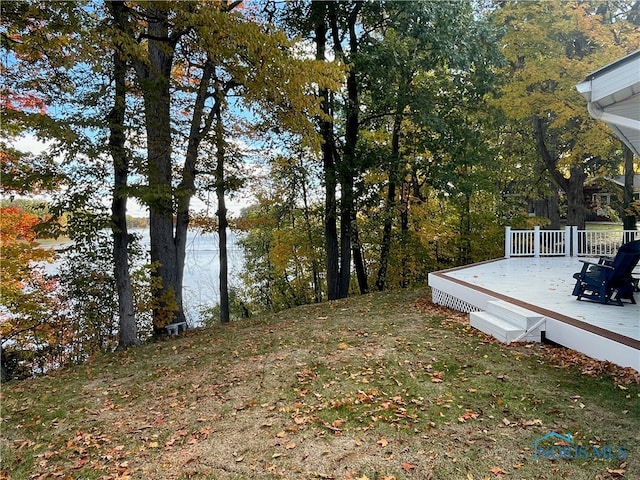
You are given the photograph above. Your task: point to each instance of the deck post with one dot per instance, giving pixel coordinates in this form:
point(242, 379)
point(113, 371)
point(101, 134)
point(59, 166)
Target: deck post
point(507, 242)
point(567, 241)
point(536, 241)
point(574, 241)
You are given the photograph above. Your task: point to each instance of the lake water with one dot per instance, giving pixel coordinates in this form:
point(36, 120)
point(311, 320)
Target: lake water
point(201, 285)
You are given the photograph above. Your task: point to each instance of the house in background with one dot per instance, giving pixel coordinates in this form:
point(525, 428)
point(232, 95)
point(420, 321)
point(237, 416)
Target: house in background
point(604, 197)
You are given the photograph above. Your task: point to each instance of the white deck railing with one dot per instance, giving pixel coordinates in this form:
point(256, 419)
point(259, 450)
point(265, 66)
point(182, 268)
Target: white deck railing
point(569, 242)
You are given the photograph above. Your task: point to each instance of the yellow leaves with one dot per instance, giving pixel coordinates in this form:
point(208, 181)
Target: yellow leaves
point(290, 249)
point(545, 46)
point(277, 81)
point(551, 46)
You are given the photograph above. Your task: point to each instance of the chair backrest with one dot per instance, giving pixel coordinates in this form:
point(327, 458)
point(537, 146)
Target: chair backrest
point(625, 261)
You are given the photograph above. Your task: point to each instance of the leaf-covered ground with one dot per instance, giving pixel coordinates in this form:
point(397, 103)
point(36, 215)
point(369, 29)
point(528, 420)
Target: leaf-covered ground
point(384, 386)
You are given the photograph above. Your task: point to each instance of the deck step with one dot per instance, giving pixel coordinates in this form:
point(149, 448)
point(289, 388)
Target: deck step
point(519, 316)
point(496, 327)
point(502, 329)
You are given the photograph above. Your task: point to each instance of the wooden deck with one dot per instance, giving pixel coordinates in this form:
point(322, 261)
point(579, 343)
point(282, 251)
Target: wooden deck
point(544, 286)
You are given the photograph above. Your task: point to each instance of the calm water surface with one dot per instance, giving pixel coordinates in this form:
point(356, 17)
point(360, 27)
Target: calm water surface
point(201, 285)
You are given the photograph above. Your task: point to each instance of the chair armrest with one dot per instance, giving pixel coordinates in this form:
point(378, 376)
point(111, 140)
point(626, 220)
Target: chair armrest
point(606, 259)
point(599, 265)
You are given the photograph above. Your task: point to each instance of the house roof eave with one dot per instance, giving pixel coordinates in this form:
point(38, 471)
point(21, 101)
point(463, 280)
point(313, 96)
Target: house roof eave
point(613, 96)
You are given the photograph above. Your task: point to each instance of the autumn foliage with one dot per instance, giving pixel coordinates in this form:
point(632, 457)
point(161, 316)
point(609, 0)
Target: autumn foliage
point(26, 313)
point(19, 253)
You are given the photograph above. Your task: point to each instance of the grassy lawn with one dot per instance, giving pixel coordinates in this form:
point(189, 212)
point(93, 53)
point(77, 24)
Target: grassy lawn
point(607, 226)
point(366, 388)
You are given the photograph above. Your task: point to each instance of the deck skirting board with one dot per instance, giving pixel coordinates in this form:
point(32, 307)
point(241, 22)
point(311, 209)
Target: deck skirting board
point(458, 296)
point(450, 301)
point(596, 346)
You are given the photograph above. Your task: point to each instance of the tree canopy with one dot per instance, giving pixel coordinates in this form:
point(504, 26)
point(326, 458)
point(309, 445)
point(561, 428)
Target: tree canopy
point(550, 47)
point(379, 141)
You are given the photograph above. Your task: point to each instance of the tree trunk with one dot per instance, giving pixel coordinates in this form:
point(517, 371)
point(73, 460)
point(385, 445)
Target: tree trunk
point(154, 80)
point(572, 186)
point(186, 189)
point(358, 259)
point(328, 162)
point(464, 248)
point(628, 217)
point(346, 209)
point(553, 205)
point(126, 311)
point(224, 259)
point(330, 223)
point(404, 232)
point(348, 161)
point(576, 211)
point(385, 244)
point(317, 293)
point(222, 211)
point(153, 74)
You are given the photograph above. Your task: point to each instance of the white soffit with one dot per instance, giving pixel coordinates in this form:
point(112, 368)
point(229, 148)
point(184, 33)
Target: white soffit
point(613, 96)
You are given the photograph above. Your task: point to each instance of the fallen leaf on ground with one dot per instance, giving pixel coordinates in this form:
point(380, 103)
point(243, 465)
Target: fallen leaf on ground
point(497, 471)
point(619, 472)
point(407, 467)
point(383, 442)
